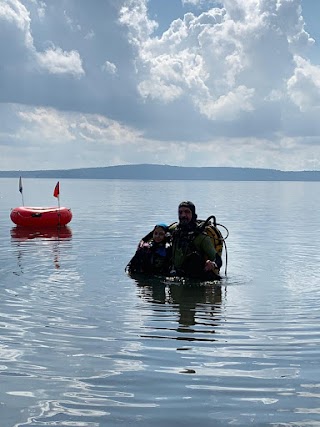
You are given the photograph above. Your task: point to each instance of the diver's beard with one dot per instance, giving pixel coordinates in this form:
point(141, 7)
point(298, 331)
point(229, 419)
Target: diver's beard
point(186, 225)
point(183, 221)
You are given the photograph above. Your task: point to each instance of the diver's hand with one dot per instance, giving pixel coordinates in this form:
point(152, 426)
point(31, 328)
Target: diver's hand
point(210, 265)
point(143, 244)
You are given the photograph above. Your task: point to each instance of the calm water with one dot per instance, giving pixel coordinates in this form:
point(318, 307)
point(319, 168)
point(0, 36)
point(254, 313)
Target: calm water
point(83, 344)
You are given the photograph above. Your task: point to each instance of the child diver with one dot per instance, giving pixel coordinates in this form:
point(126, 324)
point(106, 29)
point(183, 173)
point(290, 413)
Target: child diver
point(153, 253)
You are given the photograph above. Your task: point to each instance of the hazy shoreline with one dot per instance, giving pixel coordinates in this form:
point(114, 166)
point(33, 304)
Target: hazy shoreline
point(166, 172)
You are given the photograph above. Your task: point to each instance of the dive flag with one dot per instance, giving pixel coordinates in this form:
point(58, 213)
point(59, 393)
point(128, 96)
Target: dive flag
point(56, 191)
point(20, 185)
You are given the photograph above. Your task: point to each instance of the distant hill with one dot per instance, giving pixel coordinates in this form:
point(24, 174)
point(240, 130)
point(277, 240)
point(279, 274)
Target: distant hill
point(166, 172)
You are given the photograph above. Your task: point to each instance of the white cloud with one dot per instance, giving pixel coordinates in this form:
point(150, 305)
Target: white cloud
point(57, 127)
point(41, 9)
point(45, 124)
point(134, 15)
point(304, 85)
point(56, 61)
point(14, 13)
point(206, 3)
point(220, 53)
point(71, 23)
point(90, 35)
point(227, 106)
point(109, 67)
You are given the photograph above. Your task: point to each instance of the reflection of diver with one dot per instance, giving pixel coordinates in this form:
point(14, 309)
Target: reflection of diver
point(190, 298)
point(186, 297)
point(19, 235)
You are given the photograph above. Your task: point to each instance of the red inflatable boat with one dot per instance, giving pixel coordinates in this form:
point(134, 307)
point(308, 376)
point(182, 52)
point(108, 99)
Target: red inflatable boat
point(41, 217)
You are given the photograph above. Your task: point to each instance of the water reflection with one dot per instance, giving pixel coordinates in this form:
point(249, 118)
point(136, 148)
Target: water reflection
point(23, 238)
point(197, 307)
point(24, 233)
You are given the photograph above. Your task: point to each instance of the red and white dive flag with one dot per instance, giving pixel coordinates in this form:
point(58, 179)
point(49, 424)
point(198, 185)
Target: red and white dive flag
point(56, 191)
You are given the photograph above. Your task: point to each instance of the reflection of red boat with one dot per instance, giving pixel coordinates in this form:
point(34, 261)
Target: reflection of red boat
point(53, 233)
point(41, 217)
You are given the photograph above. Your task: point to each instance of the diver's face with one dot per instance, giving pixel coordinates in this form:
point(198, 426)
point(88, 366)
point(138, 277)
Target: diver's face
point(185, 215)
point(158, 234)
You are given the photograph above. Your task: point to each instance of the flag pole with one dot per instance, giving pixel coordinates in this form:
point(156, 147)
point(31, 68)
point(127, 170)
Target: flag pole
point(59, 213)
point(21, 190)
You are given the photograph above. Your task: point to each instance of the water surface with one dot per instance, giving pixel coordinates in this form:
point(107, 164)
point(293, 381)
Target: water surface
point(83, 344)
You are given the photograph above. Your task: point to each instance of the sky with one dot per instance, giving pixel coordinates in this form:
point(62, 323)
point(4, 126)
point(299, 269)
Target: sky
point(92, 83)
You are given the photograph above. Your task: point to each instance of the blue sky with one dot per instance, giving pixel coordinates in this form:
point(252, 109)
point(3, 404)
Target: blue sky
point(180, 82)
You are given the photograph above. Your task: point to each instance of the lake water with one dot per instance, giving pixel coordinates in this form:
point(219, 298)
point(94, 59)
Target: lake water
point(84, 345)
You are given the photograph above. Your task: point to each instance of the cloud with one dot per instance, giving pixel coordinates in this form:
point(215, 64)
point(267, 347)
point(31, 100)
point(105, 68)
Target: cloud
point(56, 61)
point(304, 85)
point(219, 54)
point(15, 33)
point(16, 27)
point(109, 67)
point(57, 127)
point(222, 83)
point(227, 106)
